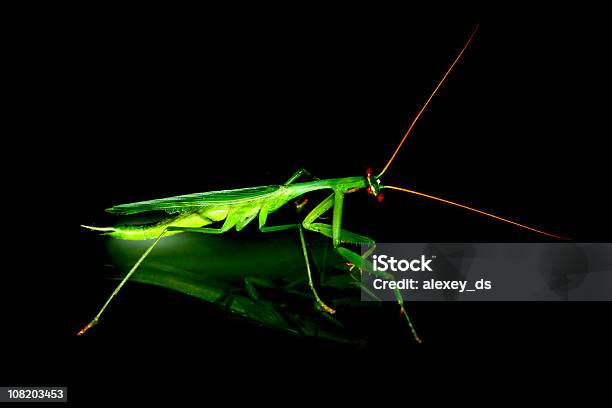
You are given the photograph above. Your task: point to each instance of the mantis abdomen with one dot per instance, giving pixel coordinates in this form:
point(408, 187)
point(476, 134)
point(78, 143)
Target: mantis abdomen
point(196, 219)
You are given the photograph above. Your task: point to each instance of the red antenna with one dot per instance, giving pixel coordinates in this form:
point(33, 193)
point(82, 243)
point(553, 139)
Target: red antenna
point(405, 190)
point(416, 118)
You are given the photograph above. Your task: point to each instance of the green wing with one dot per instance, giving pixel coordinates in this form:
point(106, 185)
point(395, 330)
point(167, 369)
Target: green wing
point(192, 201)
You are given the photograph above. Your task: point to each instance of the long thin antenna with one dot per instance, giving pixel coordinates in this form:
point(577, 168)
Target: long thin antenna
point(416, 118)
point(476, 210)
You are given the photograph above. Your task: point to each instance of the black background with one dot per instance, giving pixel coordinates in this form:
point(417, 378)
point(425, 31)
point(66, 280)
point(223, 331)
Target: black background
point(118, 109)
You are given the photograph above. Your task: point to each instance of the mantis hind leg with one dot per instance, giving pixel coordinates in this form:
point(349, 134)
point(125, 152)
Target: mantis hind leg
point(95, 320)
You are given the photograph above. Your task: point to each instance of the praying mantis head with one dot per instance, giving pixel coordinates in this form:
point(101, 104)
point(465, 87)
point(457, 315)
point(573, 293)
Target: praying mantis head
point(374, 186)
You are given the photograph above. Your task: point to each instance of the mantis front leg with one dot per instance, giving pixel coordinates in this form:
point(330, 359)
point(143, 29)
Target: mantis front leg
point(338, 236)
point(299, 174)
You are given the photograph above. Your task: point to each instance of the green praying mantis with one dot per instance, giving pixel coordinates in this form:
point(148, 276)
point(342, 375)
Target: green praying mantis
point(198, 213)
